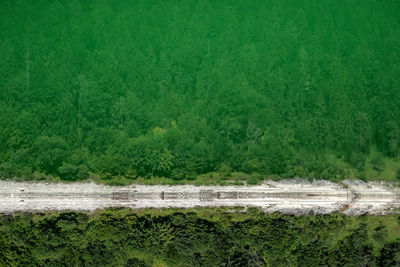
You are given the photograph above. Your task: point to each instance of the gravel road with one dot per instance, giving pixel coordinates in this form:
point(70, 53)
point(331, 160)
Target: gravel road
point(288, 196)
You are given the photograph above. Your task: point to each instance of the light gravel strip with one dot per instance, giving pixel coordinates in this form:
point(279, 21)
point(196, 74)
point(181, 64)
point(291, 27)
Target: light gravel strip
point(288, 196)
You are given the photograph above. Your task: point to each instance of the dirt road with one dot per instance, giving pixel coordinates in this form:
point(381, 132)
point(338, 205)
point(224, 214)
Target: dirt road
point(287, 196)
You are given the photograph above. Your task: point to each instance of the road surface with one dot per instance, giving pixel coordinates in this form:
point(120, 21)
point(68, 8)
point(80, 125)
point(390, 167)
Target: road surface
point(288, 196)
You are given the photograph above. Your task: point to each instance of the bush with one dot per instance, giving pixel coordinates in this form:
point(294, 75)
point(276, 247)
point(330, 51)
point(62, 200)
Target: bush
point(254, 179)
point(7, 170)
point(49, 152)
point(356, 160)
point(224, 171)
point(72, 172)
point(68, 172)
point(398, 173)
point(377, 162)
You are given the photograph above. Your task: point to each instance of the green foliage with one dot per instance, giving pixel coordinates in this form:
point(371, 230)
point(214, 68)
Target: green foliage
point(377, 162)
point(7, 170)
point(182, 88)
point(354, 250)
point(390, 255)
point(49, 152)
point(72, 172)
point(224, 171)
point(203, 238)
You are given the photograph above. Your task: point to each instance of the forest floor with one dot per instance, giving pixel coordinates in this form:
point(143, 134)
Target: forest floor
point(351, 197)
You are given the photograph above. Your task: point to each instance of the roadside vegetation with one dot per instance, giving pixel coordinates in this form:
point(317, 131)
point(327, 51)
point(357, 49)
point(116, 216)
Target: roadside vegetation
point(206, 237)
point(197, 90)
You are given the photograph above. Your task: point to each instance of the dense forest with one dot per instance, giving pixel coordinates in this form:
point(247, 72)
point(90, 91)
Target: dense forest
point(205, 238)
point(185, 89)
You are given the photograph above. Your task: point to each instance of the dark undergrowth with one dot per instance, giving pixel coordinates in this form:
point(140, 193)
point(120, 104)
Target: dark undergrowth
point(201, 237)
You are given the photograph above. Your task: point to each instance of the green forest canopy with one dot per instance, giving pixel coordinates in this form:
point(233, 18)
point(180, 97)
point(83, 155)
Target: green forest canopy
point(201, 238)
point(182, 88)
